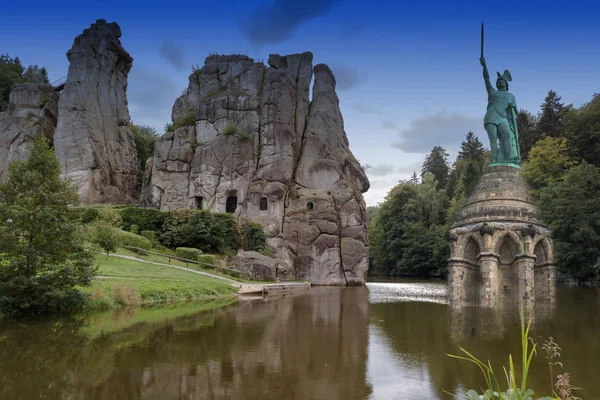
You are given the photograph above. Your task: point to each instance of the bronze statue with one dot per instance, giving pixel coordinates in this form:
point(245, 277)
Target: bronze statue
point(500, 120)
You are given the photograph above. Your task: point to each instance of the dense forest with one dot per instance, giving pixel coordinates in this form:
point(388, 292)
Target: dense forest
point(560, 151)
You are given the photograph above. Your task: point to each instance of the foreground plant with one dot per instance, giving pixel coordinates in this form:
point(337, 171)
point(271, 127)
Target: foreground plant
point(518, 390)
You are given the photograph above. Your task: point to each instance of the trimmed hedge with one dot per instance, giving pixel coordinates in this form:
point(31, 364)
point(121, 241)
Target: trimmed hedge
point(134, 229)
point(86, 214)
point(133, 240)
point(207, 258)
point(188, 253)
point(147, 219)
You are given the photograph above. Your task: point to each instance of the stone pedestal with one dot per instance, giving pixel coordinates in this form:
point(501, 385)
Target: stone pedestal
point(500, 248)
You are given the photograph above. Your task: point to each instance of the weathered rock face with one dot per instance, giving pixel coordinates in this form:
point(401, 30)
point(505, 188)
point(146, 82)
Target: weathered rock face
point(92, 141)
point(32, 112)
point(255, 266)
point(249, 141)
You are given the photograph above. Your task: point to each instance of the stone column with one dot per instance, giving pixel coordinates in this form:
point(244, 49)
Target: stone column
point(488, 263)
point(462, 282)
point(523, 284)
point(545, 290)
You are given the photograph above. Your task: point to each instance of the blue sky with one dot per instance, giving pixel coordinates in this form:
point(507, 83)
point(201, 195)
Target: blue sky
point(408, 74)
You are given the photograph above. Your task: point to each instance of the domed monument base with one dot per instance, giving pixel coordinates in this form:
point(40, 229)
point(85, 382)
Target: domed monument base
point(501, 253)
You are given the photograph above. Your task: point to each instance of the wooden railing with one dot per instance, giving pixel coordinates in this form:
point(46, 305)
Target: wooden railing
point(140, 251)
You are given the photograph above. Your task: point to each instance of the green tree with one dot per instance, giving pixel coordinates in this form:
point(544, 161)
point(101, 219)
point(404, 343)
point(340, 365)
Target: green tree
point(571, 207)
point(583, 130)
point(471, 148)
point(11, 71)
point(549, 160)
point(144, 137)
point(553, 116)
point(528, 132)
point(41, 243)
point(437, 163)
point(35, 74)
point(106, 237)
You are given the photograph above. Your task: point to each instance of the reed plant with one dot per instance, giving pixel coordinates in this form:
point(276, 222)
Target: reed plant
point(516, 385)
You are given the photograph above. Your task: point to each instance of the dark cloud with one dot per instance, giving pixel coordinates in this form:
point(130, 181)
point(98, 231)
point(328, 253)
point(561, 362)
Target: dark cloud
point(151, 95)
point(365, 109)
point(276, 22)
point(387, 124)
point(380, 170)
point(346, 78)
point(440, 129)
point(172, 53)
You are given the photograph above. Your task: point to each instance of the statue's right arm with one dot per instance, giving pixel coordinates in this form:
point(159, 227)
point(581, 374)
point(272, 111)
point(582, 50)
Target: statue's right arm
point(486, 75)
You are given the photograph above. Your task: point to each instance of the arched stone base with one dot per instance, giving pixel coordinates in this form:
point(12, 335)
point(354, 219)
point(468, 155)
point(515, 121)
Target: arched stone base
point(501, 254)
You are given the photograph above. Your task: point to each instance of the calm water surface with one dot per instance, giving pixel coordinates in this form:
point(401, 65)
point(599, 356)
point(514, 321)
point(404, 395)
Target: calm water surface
point(383, 341)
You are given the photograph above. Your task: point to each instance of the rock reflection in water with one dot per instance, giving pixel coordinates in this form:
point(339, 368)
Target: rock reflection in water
point(305, 347)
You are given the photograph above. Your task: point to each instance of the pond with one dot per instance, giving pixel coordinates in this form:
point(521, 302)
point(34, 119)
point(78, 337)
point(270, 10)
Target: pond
point(384, 341)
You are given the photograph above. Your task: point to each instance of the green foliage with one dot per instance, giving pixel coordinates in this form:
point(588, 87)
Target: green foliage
point(147, 219)
point(583, 130)
point(131, 239)
point(110, 216)
point(41, 242)
point(210, 231)
point(437, 164)
point(548, 161)
point(42, 101)
point(106, 237)
point(229, 129)
point(571, 207)
point(169, 233)
point(13, 72)
point(86, 215)
point(553, 115)
point(251, 236)
point(150, 235)
point(134, 229)
point(188, 119)
point(528, 132)
point(207, 259)
point(144, 137)
point(471, 148)
point(189, 253)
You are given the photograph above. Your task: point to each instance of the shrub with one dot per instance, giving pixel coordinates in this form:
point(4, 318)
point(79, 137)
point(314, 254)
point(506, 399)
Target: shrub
point(207, 258)
point(229, 129)
point(147, 219)
point(110, 216)
point(134, 229)
point(169, 233)
point(133, 240)
point(251, 236)
point(150, 235)
point(106, 237)
point(125, 295)
point(86, 214)
point(210, 231)
point(188, 253)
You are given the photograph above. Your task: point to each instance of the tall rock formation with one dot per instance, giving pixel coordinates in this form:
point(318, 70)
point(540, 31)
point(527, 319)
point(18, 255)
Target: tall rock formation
point(32, 112)
point(246, 139)
point(93, 141)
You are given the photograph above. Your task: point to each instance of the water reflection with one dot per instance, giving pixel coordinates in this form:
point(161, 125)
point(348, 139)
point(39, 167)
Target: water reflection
point(387, 341)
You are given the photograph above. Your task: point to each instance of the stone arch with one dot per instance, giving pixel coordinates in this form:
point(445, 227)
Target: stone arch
point(471, 250)
point(542, 249)
point(499, 239)
point(508, 249)
point(464, 240)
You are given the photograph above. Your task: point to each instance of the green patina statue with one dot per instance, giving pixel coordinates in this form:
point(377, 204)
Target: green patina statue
point(501, 118)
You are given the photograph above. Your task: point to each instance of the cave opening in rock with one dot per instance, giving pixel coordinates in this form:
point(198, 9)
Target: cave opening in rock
point(198, 203)
point(263, 204)
point(310, 205)
point(231, 204)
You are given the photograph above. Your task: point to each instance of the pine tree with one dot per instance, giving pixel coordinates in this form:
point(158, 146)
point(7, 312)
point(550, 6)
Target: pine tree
point(471, 148)
point(437, 163)
point(552, 117)
point(41, 242)
point(529, 133)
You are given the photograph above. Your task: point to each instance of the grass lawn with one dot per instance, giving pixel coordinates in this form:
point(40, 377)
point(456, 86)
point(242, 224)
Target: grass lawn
point(128, 282)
